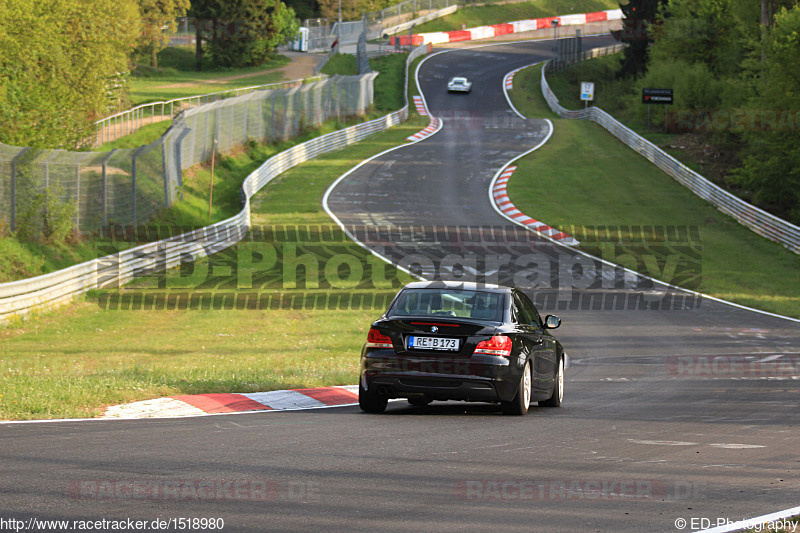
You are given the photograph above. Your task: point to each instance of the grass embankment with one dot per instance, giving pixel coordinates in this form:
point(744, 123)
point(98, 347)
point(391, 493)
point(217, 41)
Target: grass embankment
point(176, 77)
point(585, 177)
point(471, 17)
point(79, 359)
point(22, 260)
point(73, 362)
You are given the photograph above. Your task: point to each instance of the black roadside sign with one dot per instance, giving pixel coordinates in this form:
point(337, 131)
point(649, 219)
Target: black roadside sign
point(657, 96)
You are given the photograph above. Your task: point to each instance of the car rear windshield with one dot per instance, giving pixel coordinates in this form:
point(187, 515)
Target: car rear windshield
point(477, 305)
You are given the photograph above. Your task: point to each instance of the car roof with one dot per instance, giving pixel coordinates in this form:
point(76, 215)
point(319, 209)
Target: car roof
point(463, 285)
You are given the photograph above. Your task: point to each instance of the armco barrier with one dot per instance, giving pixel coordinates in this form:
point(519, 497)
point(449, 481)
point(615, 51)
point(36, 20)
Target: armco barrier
point(758, 220)
point(49, 290)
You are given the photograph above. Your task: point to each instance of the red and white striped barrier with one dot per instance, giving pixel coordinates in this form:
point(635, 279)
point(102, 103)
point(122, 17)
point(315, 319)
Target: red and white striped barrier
point(203, 404)
point(495, 30)
point(504, 204)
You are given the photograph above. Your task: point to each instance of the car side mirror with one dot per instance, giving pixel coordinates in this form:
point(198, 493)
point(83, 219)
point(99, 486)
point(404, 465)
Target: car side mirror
point(551, 322)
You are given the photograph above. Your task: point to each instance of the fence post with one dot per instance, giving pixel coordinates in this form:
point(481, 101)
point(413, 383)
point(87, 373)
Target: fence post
point(133, 183)
point(231, 141)
point(14, 188)
point(285, 115)
point(105, 186)
point(205, 135)
point(179, 158)
point(165, 173)
point(261, 135)
point(244, 126)
point(274, 95)
point(78, 197)
point(217, 120)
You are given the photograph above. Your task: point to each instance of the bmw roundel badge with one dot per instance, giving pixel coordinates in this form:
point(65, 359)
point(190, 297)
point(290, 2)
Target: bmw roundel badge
point(434, 329)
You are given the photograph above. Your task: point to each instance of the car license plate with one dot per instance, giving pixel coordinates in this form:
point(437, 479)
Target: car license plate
point(433, 343)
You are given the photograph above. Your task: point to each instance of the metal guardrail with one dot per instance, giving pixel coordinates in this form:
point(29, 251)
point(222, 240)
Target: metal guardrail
point(112, 271)
point(758, 220)
point(126, 122)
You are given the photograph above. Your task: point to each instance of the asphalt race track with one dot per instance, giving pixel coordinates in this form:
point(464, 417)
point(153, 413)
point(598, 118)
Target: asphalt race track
point(675, 407)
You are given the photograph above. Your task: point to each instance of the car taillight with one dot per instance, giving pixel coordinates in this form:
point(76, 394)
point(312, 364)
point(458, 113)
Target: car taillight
point(376, 339)
point(497, 345)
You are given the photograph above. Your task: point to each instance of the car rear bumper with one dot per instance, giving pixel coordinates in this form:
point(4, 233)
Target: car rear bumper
point(477, 379)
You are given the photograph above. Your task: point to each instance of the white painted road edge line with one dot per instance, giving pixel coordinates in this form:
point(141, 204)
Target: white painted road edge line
point(346, 174)
point(754, 522)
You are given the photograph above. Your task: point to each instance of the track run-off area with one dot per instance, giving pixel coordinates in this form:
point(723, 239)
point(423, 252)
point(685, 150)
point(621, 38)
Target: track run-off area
point(676, 405)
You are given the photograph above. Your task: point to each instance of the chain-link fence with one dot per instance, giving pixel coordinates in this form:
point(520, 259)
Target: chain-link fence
point(404, 12)
point(49, 290)
point(126, 122)
point(319, 34)
point(129, 186)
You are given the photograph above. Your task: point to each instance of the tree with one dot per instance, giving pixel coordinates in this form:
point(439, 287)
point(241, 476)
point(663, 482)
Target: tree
point(245, 32)
point(304, 9)
point(772, 162)
point(638, 16)
point(60, 61)
point(158, 20)
point(202, 12)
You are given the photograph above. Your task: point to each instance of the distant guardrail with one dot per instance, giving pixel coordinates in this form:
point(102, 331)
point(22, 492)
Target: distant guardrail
point(758, 220)
point(124, 123)
point(112, 271)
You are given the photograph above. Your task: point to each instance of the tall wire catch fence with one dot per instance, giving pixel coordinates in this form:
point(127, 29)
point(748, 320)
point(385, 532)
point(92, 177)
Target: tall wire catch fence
point(129, 186)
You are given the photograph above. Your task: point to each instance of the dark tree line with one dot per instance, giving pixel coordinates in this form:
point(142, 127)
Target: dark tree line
point(730, 58)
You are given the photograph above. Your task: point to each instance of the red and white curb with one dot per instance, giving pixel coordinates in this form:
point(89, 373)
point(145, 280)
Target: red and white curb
point(495, 30)
point(205, 404)
point(508, 82)
point(419, 104)
point(510, 211)
point(433, 127)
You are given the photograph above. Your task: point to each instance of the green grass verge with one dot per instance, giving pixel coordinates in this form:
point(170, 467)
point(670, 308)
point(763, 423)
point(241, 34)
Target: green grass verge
point(341, 64)
point(27, 259)
point(585, 177)
point(471, 17)
point(177, 78)
point(77, 360)
point(95, 356)
point(141, 137)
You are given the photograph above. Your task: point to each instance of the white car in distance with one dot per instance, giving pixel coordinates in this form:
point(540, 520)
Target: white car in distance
point(459, 84)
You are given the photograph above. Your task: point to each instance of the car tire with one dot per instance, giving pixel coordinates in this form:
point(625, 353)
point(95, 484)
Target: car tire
point(522, 400)
point(419, 401)
point(370, 401)
point(558, 388)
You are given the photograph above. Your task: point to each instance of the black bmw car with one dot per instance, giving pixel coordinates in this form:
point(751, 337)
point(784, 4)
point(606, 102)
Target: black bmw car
point(462, 341)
